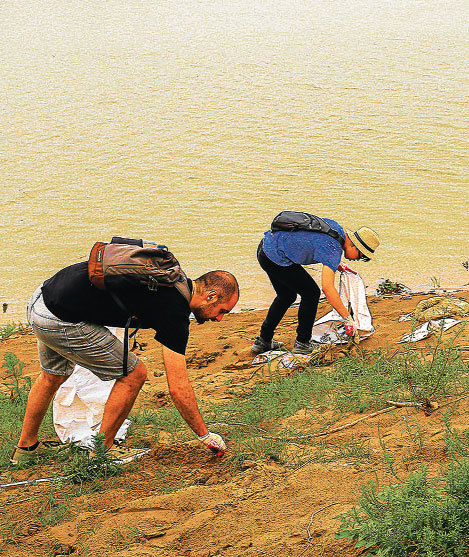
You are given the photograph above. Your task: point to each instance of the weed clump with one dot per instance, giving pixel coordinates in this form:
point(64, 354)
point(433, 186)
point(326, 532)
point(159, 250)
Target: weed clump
point(18, 385)
point(387, 286)
point(418, 517)
point(12, 328)
point(87, 467)
point(417, 375)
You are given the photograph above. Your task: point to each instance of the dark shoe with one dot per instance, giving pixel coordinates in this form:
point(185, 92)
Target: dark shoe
point(23, 456)
point(305, 347)
point(260, 345)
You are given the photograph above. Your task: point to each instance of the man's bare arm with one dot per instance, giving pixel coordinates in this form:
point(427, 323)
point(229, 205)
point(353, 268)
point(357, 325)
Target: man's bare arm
point(181, 390)
point(330, 291)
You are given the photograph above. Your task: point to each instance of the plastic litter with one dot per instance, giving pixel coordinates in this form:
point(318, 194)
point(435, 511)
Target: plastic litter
point(286, 360)
point(79, 405)
point(428, 328)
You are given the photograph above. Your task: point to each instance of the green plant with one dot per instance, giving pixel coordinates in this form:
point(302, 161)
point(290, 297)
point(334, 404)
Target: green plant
point(12, 328)
point(436, 370)
point(18, 384)
point(54, 507)
point(87, 467)
point(387, 286)
point(418, 517)
point(420, 375)
point(415, 432)
point(389, 459)
point(7, 330)
point(10, 531)
point(457, 443)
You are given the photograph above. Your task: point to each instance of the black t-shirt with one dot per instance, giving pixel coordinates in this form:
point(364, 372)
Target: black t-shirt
point(70, 296)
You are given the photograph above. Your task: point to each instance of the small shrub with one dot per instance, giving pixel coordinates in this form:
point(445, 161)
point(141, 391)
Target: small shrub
point(388, 286)
point(12, 328)
point(416, 518)
point(86, 468)
point(18, 384)
point(457, 444)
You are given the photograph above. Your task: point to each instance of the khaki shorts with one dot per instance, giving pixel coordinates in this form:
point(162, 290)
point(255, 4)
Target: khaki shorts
point(61, 345)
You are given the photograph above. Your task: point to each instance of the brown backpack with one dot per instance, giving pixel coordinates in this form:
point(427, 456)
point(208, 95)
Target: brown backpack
point(150, 265)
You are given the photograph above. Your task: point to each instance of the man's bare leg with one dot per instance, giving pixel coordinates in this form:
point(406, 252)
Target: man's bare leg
point(41, 395)
point(120, 402)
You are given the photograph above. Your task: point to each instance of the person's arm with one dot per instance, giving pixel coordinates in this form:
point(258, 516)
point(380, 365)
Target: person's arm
point(330, 291)
point(181, 390)
point(183, 396)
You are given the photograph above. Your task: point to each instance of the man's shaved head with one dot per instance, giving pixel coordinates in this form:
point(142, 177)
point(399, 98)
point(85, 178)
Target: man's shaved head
point(222, 281)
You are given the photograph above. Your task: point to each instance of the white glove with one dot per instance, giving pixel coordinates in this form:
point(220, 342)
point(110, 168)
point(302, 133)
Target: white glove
point(214, 442)
point(351, 326)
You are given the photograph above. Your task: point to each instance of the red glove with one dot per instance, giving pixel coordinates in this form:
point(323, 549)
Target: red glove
point(214, 442)
point(351, 328)
point(342, 268)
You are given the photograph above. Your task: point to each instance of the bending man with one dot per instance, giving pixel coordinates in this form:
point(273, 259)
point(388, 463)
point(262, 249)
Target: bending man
point(67, 314)
point(282, 253)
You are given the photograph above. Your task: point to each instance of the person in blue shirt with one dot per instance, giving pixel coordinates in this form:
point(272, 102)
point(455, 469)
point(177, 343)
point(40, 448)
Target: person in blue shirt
point(281, 255)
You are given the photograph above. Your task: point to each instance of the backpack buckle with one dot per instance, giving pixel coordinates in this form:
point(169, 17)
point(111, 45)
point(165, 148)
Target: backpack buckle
point(152, 284)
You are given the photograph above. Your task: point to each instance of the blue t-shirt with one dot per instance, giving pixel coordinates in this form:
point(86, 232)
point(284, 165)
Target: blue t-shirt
point(304, 247)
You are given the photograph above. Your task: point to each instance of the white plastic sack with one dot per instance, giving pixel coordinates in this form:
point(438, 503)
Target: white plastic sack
point(329, 329)
point(428, 328)
point(285, 360)
point(79, 405)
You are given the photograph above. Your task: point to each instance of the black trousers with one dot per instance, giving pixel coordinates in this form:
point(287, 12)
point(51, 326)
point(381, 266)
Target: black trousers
point(288, 282)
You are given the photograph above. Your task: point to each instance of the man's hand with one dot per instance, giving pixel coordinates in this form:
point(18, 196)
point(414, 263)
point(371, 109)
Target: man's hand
point(214, 442)
point(351, 327)
point(342, 268)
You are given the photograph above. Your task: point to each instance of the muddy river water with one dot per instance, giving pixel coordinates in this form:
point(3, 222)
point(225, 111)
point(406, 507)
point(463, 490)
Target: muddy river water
point(193, 123)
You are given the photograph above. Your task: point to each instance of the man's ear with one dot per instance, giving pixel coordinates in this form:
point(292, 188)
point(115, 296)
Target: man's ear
point(211, 295)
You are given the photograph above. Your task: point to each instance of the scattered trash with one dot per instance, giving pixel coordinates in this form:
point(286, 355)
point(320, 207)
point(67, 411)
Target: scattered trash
point(406, 316)
point(440, 307)
point(286, 360)
point(428, 328)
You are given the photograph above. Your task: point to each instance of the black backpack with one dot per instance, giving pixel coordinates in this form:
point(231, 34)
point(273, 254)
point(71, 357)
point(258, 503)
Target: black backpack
point(289, 221)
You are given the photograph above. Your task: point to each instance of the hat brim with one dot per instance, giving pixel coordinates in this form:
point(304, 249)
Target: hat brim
point(358, 244)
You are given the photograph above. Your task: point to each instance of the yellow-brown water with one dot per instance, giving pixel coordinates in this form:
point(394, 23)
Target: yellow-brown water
point(195, 122)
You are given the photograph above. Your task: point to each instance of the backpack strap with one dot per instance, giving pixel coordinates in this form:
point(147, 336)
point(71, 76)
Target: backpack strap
point(289, 221)
point(183, 287)
point(121, 306)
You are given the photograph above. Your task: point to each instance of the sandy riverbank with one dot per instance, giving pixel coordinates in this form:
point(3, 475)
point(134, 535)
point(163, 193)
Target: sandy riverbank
point(207, 508)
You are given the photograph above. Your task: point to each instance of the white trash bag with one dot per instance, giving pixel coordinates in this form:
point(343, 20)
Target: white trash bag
point(330, 329)
point(79, 405)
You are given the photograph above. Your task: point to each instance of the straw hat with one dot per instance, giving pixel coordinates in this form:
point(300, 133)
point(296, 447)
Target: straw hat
point(365, 240)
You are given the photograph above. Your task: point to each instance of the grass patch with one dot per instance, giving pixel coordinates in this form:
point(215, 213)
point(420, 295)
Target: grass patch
point(12, 408)
point(430, 373)
point(359, 383)
point(419, 517)
point(17, 384)
point(12, 328)
point(86, 467)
